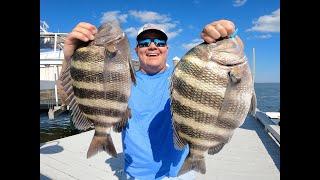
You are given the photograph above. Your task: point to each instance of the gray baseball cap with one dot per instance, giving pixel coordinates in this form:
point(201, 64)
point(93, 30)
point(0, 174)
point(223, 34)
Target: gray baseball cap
point(151, 27)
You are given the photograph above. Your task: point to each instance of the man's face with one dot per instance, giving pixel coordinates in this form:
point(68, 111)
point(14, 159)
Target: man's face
point(152, 59)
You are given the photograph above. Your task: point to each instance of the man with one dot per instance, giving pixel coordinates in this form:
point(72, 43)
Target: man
point(147, 139)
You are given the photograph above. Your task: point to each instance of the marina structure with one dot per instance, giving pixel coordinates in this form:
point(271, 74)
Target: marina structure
point(51, 56)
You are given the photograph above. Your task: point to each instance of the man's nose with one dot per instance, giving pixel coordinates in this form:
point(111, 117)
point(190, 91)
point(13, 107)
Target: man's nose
point(152, 45)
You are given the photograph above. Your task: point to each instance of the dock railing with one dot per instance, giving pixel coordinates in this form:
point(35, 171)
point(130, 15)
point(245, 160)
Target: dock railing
point(270, 126)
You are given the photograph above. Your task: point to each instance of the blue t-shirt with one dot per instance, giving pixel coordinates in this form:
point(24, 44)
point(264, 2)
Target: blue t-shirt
point(147, 139)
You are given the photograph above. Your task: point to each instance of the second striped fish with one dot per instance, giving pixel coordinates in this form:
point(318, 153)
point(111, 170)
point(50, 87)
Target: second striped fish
point(211, 94)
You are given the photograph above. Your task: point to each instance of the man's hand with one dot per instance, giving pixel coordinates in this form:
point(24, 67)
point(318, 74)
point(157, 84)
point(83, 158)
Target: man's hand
point(83, 32)
point(217, 30)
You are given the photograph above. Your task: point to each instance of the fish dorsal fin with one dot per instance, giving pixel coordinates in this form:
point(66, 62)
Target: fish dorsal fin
point(178, 142)
point(132, 73)
point(79, 120)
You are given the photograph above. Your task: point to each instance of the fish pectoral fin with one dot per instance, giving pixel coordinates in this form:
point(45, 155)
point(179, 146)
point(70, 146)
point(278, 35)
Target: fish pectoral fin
point(132, 73)
point(178, 142)
point(110, 51)
point(253, 104)
point(118, 127)
point(215, 149)
point(235, 76)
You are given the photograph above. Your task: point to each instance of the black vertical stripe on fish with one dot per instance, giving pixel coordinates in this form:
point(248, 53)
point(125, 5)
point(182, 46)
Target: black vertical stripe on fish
point(215, 149)
point(101, 123)
point(85, 54)
point(200, 73)
point(198, 134)
point(94, 94)
point(227, 123)
point(91, 76)
point(191, 113)
point(101, 111)
point(201, 117)
point(100, 134)
point(197, 95)
point(198, 147)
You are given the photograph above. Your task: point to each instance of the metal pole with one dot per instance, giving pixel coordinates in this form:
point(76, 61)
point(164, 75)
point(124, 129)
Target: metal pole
point(55, 86)
point(254, 64)
point(55, 42)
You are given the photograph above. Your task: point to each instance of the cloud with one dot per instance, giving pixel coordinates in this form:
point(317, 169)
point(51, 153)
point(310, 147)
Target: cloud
point(143, 17)
point(149, 16)
point(263, 36)
point(162, 21)
point(172, 34)
point(114, 15)
point(131, 31)
point(267, 23)
point(190, 26)
point(193, 43)
point(238, 3)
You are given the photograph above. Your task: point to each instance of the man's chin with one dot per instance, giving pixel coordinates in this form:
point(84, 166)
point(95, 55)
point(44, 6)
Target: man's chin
point(153, 68)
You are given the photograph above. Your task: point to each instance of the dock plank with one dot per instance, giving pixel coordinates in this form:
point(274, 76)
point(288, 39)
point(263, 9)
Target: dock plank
point(251, 154)
point(269, 124)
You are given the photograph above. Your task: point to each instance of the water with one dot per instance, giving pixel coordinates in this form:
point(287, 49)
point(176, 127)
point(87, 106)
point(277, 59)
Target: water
point(268, 99)
point(51, 129)
point(268, 96)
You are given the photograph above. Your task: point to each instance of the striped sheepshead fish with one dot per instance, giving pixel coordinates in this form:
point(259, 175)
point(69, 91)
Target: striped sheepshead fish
point(98, 81)
point(212, 92)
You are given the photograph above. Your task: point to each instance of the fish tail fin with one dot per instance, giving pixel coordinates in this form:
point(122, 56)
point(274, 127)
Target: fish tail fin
point(100, 143)
point(193, 163)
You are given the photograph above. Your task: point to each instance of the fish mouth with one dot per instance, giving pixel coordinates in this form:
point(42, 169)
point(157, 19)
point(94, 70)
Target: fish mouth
point(102, 40)
point(230, 64)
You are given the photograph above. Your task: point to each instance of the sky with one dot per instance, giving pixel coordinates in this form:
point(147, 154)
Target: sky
point(258, 24)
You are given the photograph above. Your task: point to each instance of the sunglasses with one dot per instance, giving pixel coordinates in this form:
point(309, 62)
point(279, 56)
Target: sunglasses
point(147, 42)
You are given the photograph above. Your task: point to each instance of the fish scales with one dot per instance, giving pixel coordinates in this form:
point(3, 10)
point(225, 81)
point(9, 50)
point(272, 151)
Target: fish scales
point(187, 112)
point(211, 95)
point(101, 74)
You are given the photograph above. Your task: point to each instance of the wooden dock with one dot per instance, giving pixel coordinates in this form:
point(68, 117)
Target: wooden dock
point(252, 154)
